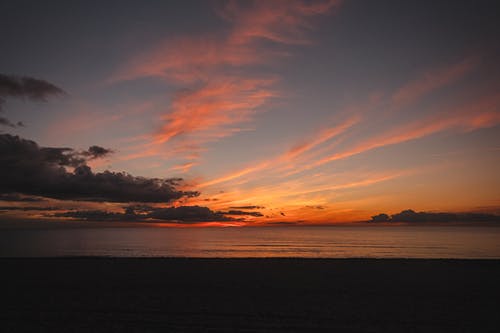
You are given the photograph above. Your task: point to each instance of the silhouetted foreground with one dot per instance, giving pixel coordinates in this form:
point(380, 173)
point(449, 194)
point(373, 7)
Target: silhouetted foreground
point(250, 295)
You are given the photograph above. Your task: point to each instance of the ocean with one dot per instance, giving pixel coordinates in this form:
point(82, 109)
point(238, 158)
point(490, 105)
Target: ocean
point(233, 242)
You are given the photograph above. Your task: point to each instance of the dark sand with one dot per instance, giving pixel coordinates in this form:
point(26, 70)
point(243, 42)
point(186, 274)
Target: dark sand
point(249, 295)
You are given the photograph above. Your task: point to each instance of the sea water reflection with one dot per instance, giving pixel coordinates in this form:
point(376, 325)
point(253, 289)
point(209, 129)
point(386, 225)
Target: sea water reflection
point(319, 242)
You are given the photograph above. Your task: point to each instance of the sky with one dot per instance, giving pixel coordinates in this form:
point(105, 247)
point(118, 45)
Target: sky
point(248, 112)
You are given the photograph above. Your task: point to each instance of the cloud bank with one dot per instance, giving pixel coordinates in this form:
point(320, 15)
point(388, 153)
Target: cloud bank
point(182, 214)
point(62, 173)
point(410, 216)
point(16, 197)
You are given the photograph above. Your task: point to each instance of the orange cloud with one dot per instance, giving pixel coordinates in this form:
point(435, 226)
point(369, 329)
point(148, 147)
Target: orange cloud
point(225, 102)
point(322, 137)
point(235, 175)
point(293, 197)
point(361, 183)
point(220, 94)
point(478, 114)
point(184, 167)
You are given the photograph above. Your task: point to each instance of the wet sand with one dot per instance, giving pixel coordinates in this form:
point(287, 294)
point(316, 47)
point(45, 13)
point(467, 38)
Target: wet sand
point(249, 295)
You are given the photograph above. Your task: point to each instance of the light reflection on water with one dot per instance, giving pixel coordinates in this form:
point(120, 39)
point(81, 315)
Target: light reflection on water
point(324, 242)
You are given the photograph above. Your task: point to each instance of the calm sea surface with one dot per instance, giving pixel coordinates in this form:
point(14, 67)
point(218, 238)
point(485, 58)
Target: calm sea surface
point(325, 242)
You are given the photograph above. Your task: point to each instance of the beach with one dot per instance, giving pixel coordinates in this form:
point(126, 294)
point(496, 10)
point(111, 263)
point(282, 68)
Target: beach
point(248, 295)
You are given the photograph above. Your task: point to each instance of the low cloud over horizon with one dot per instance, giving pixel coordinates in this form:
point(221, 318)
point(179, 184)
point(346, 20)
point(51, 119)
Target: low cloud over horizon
point(179, 215)
point(410, 216)
point(31, 173)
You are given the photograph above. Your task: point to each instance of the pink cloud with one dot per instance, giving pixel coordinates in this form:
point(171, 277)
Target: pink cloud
point(321, 137)
point(215, 105)
point(188, 59)
point(481, 113)
point(220, 94)
point(184, 167)
point(290, 155)
point(280, 21)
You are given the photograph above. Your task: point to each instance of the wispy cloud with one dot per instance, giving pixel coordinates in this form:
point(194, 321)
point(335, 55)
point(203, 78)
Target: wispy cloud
point(194, 58)
point(289, 155)
point(293, 196)
point(218, 92)
point(217, 104)
point(476, 113)
point(281, 21)
point(184, 167)
point(323, 136)
point(188, 59)
point(431, 81)
point(221, 87)
point(236, 174)
point(481, 113)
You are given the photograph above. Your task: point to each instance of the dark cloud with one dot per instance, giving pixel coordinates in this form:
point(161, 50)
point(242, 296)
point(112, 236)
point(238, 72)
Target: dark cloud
point(26, 208)
point(96, 215)
point(97, 152)
point(16, 148)
point(241, 212)
point(283, 223)
point(182, 214)
point(381, 218)
point(71, 157)
point(29, 169)
point(6, 122)
point(18, 197)
point(24, 87)
point(139, 209)
point(494, 209)
point(410, 216)
point(246, 207)
point(27, 87)
point(188, 214)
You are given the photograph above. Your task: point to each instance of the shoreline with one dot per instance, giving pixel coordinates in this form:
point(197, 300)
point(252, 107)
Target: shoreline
point(291, 258)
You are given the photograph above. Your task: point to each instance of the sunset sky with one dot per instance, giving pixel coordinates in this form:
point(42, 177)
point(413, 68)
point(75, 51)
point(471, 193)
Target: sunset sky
point(270, 111)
